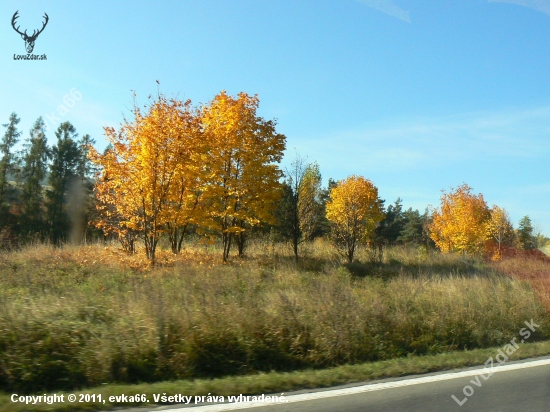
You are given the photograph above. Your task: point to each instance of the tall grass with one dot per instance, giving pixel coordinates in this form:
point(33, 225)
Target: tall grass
point(76, 317)
point(535, 272)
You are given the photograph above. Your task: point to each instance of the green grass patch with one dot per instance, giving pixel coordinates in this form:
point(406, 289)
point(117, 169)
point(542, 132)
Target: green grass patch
point(279, 382)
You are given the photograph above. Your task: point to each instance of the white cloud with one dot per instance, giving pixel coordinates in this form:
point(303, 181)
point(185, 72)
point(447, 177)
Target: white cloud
point(539, 5)
point(388, 7)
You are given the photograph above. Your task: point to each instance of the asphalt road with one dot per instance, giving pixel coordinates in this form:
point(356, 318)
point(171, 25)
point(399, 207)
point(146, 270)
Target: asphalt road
point(520, 386)
point(519, 390)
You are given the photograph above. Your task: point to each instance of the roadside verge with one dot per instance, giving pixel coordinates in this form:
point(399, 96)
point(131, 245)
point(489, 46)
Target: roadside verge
point(273, 382)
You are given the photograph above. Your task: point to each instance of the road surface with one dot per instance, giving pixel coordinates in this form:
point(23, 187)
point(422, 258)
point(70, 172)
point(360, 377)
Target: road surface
point(516, 386)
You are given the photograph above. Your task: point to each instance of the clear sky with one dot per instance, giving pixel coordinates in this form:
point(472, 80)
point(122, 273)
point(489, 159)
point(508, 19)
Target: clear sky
point(417, 96)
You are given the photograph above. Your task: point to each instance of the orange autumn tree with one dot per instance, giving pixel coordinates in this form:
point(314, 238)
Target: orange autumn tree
point(185, 204)
point(148, 178)
point(106, 217)
point(242, 183)
point(355, 210)
point(460, 223)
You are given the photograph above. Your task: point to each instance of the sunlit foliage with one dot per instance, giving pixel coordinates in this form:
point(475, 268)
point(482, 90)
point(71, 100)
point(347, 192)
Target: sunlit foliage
point(460, 223)
point(173, 166)
point(500, 230)
point(148, 183)
point(242, 172)
point(355, 210)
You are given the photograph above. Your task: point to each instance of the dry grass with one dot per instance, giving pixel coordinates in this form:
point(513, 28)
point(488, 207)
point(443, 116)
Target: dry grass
point(535, 272)
point(82, 316)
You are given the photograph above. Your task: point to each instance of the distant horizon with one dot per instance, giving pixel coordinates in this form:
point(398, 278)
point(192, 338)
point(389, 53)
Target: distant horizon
point(418, 98)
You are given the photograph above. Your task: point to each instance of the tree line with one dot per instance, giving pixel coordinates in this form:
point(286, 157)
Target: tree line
point(214, 170)
point(45, 192)
point(464, 223)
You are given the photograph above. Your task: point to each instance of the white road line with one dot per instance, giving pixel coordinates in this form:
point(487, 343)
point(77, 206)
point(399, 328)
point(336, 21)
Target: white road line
point(363, 388)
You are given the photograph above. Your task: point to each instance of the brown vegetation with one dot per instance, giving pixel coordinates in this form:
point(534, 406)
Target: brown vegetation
point(77, 317)
point(531, 266)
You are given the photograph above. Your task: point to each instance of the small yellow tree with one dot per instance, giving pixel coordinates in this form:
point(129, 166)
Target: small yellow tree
point(500, 229)
point(309, 204)
point(355, 210)
point(460, 224)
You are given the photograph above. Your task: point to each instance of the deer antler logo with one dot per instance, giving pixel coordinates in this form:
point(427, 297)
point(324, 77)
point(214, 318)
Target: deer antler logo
point(29, 40)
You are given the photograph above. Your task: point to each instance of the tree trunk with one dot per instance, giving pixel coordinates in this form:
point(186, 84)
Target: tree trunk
point(180, 242)
point(226, 245)
point(176, 235)
point(241, 243)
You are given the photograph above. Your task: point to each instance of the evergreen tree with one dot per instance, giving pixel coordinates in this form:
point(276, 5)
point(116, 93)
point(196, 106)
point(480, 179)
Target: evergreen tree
point(66, 156)
point(33, 171)
point(392, 225)
point(85, 168)
point(323, 227)
point(525, 234)
point(10, 138)
point(413, 228)
point(284, 214)
point(84, 187)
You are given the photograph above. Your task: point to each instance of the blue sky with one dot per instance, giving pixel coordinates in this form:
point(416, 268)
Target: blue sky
point(416, 96)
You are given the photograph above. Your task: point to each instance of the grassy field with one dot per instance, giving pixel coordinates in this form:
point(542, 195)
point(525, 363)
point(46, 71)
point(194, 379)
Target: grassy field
point(79, 317)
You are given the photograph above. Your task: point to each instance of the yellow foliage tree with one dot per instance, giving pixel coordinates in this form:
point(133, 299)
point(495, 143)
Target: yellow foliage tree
point(500, 229)
point(355, 210)
point(242, 183)
point(309, 204)
point(148, 180)
point(460, 223)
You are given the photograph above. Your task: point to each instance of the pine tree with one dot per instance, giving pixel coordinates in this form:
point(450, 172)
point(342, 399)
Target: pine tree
point(392, 225)
point(65, 157)
point(83, 186)
point(33, 171)
point(11, 136)
point(413, 228)
point(284, 214)
point(323, 227)
point(525, 234)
